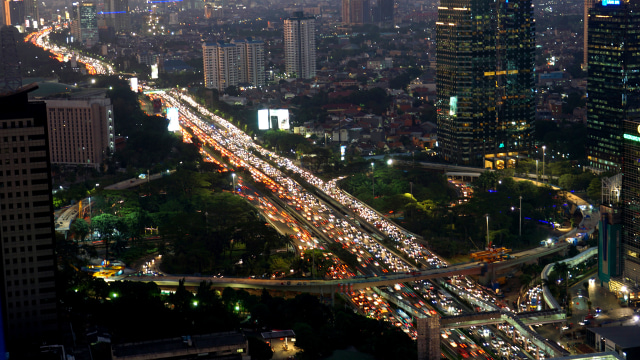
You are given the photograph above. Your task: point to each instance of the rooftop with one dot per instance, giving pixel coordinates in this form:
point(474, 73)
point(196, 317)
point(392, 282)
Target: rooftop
point(623, 336)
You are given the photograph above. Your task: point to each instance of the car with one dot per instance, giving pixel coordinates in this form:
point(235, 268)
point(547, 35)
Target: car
point(495, 344)
point(598, 310)
point(585, 322)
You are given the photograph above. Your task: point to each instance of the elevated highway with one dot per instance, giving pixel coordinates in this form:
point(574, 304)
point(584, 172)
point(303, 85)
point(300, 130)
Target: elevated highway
point(355, 283)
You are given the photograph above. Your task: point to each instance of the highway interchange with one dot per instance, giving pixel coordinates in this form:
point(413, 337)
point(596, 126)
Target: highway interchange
point(314, 224)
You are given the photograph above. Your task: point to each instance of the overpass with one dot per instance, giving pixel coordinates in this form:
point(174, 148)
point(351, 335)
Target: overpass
point(317, 286)
point(520, 322)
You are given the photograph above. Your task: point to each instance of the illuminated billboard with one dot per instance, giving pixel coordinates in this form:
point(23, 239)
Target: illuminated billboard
point(133, 82)
point(173, 115)
point(453, 105)
point(154, 71)
point(610, 2)
point(273, 119)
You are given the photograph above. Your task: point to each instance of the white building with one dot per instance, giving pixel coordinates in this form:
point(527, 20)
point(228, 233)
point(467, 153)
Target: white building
point(230, 64)
point(300, 46)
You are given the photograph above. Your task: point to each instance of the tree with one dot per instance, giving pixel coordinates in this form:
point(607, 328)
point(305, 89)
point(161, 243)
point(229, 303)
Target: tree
point(80, 229)
point(106, 225)
point(594, 191)
point(567, 181)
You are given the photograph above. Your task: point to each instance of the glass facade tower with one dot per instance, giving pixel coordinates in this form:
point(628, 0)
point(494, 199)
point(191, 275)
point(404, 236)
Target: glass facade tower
point(614, 76)
point(484, 78)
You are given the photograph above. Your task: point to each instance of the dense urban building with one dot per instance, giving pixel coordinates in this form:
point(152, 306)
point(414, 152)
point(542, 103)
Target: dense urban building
point(613, 80)
point(588, 5)
point(356, 12)
point(231, 64)
point(251, 62)
point(116, 14)
point(220, 65)
point(300, 46)
point(81, 128)
point(629, 272)
point(484, 78)
point(27, 281)
point(14, 13)
point(31, 13)
point(84, 26)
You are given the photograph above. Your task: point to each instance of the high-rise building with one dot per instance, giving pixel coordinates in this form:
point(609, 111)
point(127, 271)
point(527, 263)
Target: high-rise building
point(628, 254)
point(250, 61)
point(14, 12)
point(386, 10)
point(27, 283)
point(484, 78)
point(613, 80)
point(81, 129)
point(300, 46)
point(84, 26)
point(588, 4)
point(356, 12)
point(231, 64)
point(31, 13)
point(116, 14)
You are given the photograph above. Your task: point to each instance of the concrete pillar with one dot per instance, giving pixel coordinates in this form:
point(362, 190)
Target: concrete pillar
point(428, 338)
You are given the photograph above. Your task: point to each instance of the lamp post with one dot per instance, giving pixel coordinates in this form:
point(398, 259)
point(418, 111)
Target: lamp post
point(544, 148)
point(233, 182)
point(537, 173)
point(520, 229)
point(487, 216)
point(411, 188)
point(90, 213)
point(373, 182)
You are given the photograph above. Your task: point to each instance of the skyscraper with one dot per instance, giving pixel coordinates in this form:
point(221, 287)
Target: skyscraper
point(588, 5)
point(220, 65)
point(231, 64)
point(628, 253)
point(356, 12)
point(26, 219)
point(84, 26)
point(613, 81)
point(484, 78)
point(14, 12)
point(300, 46)
point(250, 61)
point(31, 13)
point(116, 14)
point(386, 10)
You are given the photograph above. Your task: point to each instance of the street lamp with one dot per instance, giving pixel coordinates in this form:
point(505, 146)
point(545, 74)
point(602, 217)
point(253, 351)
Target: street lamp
point(543, 152)
point(233, 182)
point(537, 173)
point(373, 183)
point(520, 229)
point(487, 216)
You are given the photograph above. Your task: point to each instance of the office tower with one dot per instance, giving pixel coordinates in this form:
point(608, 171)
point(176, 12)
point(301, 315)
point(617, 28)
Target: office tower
point(613, 80)
point(588, 4)
point(386, 10)
point(84, 26)
point(31, 13)
point(26, 218)
point(356, 12)
point(220, 65)
point(300, 46)
point(13, 12)
point(81, 129)
point(484, 79)
point(116, 14)
point(250, 61)
point(629, 252)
